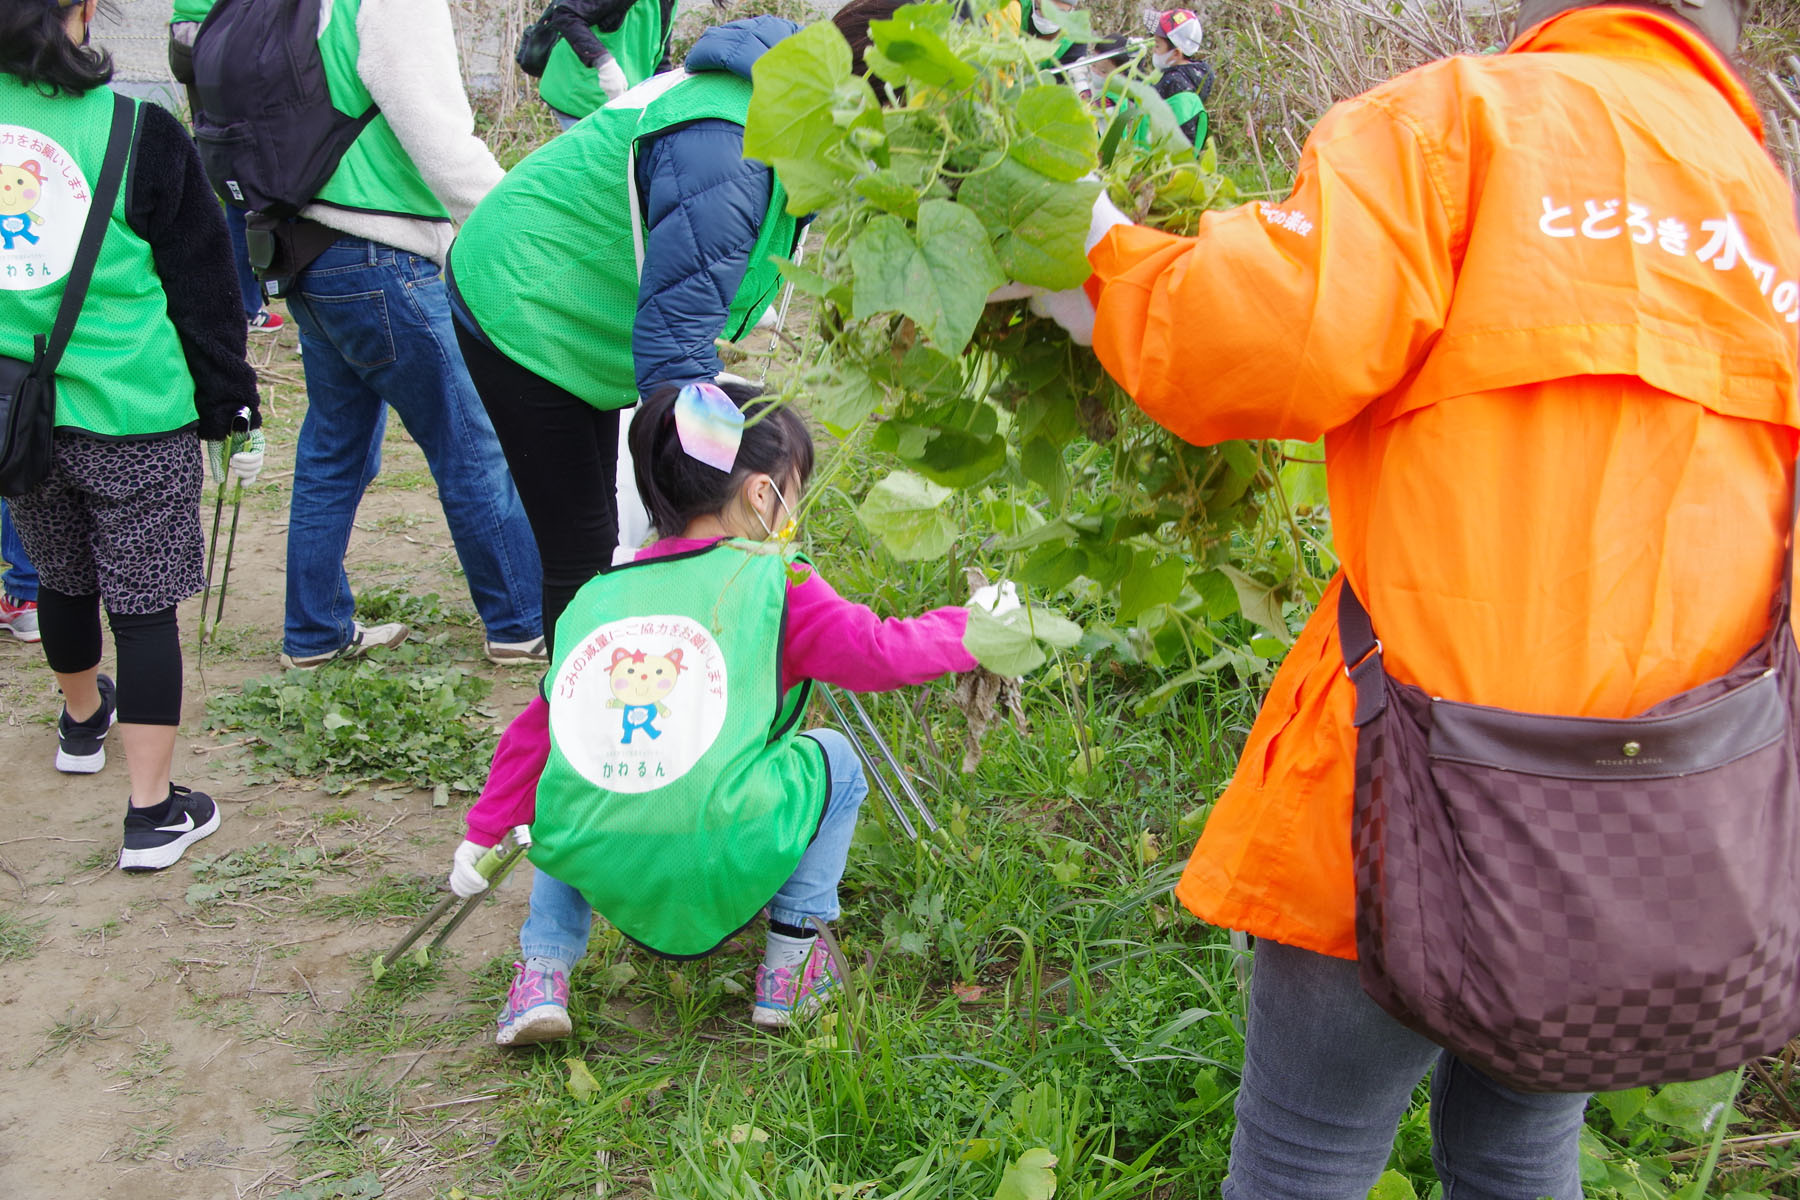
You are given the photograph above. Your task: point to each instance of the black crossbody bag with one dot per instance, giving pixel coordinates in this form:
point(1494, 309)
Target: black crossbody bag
point(28, 389)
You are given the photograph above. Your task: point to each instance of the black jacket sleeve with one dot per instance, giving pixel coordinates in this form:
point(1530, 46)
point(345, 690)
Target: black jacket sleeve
point(169, 204)
point(705, 205)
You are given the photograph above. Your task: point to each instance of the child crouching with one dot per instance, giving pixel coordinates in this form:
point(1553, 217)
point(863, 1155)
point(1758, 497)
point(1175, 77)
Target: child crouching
point(673, 792)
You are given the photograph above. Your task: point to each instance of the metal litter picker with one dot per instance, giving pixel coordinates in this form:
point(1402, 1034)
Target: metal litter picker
point(860, 742)
point(494, 866)
point(234, 442)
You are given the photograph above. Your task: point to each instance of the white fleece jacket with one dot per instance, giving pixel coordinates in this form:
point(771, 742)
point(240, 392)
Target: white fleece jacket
point(406, 57)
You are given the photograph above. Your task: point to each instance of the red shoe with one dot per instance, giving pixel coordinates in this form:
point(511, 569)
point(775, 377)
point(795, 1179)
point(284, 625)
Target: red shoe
point(268, 320)
point(19, 617)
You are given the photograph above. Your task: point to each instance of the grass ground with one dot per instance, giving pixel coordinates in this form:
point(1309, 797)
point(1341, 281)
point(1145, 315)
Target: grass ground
point(1028, 1002)
point(1029, 1010)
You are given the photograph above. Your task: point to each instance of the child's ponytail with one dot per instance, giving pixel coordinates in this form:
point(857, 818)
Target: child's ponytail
point(678, 489)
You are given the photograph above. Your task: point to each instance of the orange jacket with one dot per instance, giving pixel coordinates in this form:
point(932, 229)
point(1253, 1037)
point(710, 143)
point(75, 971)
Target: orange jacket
point(1543, 307)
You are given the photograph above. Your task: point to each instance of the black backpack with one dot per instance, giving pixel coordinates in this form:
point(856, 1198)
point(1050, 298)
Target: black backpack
point(267, 131)
point(536, 43)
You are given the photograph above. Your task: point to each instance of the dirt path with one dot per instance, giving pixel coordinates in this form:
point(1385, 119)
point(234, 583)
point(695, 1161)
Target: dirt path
point(154, 1044)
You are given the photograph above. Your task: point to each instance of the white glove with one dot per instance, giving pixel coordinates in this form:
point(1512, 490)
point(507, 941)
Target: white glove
point(1106, 215)
point(1013, 291)
point(246, 463)
point(465, 880)
point(1071, 309)
point(997, 599)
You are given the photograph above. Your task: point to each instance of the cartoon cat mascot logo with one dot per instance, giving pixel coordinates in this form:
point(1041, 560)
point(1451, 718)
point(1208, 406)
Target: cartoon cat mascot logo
point(639, 683)
point(20, 188)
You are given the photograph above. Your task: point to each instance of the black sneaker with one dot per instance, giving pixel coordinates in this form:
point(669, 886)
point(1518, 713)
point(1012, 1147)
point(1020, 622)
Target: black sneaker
point(81, 745)
point(152, 844)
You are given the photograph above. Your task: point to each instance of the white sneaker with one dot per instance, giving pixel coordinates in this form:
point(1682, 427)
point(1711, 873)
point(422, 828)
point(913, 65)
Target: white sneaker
point(367, 638)
point(512, 654)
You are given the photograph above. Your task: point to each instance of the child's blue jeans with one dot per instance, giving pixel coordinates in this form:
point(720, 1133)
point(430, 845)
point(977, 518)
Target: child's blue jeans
point(560, 919)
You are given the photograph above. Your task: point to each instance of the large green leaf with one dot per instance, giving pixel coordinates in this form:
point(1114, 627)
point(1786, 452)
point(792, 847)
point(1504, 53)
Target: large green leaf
point(1258, 602)
point(841, 396)
point(1031, 1176)
point(1056, 133)
point(959, 458)
point(941, 278)
point(1695, 1107)
point(1148, 586)
point(1013, 644)
point(803, 107)
point(1393, 1186)
point(906, 511)
point(1001, 648)
point(1040, 224)
point(906, 49)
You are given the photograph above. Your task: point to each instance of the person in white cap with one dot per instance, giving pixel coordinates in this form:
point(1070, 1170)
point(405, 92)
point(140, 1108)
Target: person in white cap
point(1187, 80)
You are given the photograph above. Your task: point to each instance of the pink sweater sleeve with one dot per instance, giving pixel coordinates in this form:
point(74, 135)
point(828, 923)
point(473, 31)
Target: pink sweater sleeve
point(510, 797)
point(839, 641)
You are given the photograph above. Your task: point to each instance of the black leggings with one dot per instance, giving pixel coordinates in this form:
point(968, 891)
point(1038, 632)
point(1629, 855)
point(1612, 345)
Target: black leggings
point(149, 647)
point(564, 457)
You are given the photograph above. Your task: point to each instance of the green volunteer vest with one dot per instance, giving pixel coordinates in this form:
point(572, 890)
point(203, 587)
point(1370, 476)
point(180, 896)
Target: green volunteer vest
point(376, 174)
point(637, 45)
point(678, 798)
point(191, 10)
point(547, 264)
point(124, 373)
point(1185, 106)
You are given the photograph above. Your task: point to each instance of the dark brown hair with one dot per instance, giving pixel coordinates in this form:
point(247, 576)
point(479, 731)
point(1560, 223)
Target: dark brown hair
point(35, 47)
point(678, 490)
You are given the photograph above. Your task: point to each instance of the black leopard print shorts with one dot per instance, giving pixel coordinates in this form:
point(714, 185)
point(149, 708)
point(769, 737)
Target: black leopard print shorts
point(121, 518)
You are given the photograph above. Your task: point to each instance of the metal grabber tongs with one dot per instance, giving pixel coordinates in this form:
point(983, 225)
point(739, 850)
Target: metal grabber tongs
point(860, 742)
point(234, 441)
point(494, 866)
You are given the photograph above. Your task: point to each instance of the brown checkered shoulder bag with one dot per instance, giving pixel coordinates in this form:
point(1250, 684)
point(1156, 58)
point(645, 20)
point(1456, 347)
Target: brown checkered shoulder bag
point(1576, 903)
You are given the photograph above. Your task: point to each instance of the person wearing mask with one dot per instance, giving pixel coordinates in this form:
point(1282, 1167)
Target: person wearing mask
point(1186, 80)
point(1555, 377)
point(375, 333)
point(154, 366)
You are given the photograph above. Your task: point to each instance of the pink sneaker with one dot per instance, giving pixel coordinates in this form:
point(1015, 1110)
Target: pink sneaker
point(537, 1008)
point(786, 994)
point(19, 617)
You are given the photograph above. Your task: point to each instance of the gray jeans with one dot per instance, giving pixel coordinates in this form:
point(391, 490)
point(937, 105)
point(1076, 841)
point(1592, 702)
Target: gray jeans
point(1328, 1075)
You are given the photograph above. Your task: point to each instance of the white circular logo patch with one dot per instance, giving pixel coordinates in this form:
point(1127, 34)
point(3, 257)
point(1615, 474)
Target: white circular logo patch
point(44, 202)
point(639, 701)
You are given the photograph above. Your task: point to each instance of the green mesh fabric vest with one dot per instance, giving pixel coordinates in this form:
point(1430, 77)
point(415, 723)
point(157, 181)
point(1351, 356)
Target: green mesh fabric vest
point(677, 798)
point(376, 174)
point(637, 45)
point(547, 264)
point(1186, 106)
point(124, 373)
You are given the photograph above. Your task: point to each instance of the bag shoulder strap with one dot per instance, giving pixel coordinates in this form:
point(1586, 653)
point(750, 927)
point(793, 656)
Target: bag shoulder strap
point(1362, 655)
point(93, 232)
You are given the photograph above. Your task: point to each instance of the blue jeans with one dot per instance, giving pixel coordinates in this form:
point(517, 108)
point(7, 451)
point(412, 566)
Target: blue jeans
point(560, 919)
point(1328, 1075)
point(375, 333)
point(20, 579)
point(248, 285)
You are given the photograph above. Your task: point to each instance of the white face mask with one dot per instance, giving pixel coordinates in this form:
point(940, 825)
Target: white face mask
point(1162, 60)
